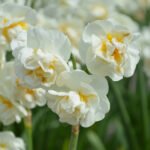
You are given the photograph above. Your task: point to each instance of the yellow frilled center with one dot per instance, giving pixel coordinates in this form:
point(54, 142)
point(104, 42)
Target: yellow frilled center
point(5, 30)
point(39, 72)
point(85, 98)
point(6, 102)
point(3, 146)
point(119, 38)
point(25, 89)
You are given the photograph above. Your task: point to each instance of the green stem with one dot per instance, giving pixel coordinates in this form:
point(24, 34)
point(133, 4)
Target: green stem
point(74, 138)
point(144, 108)
point(75, 129)
point(125, 118)
point(1, 127)
point(73, 61)
point(28, 126)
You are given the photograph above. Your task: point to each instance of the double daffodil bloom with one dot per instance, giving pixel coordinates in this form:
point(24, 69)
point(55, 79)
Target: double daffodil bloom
point(14, 19)
point(43, 58)
point(108, 49)
point(79, 98)
point(8, 141)
point(10, 110)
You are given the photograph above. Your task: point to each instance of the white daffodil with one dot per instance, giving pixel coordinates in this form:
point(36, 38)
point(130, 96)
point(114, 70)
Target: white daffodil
point(95, 9)
point(65, 21)
point(13, 20)
point(8, 141)
point(108, 49)
point(23, 95)
point(133, 6)
point(44, 58)
point(10, 110)
point(79, 98)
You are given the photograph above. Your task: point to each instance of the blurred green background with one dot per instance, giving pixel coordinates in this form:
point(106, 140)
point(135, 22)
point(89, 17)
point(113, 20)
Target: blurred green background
point(125, 127)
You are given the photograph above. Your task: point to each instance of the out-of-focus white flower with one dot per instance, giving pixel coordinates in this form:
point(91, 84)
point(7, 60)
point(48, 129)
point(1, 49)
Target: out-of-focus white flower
point(129, 6)
point(95, 9)
point(108, 49)
point(8, 141)
point(44, 58)
point(64, 20)
point(79, 98)
point(144, 44)
point(10, 109)
point(13, 20)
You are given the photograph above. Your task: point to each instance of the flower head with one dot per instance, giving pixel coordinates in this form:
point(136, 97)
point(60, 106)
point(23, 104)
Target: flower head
point(108, 49)
point(79, 98)
point(13, 20)
point(43, 58)
point(10, 142)
point(10, 110)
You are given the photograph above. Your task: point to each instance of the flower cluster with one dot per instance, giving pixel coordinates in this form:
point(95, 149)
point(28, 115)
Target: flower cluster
point(50, 50)
point(45, 44)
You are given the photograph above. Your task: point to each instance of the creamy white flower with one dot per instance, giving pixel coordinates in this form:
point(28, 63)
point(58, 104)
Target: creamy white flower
point(96, 9)
point(130, 6)
point(44, 58)
point(8, 141)
point(10, 110)
point(65, 21)
point(108, 49)
point(79, 98)
point(13, 20)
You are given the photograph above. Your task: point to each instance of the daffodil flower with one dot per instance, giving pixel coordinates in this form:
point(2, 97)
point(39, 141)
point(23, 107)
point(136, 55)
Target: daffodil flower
point(109, 49)
point(14, 19)
point(8, 141)
point(10, 110)
point(40, 62)
point(79, 98)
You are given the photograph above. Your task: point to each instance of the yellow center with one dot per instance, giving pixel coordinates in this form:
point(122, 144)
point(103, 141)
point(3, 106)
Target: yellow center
point(38, 72)
point(6, 102)
point(5, 30)
point(119, 38)
point(3, 146)
point(85, 98)
point(25, 89)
